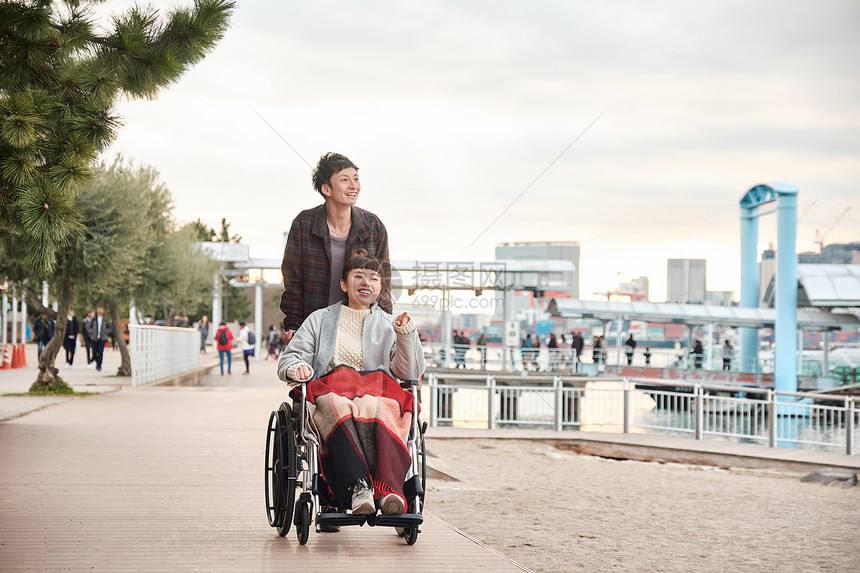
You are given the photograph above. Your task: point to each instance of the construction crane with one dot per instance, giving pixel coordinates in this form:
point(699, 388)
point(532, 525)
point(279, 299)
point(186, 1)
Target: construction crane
point(807, 210)
point(819, 237)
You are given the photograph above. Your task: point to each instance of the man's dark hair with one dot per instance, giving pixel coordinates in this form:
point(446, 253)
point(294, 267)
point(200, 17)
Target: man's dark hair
point(328, 165)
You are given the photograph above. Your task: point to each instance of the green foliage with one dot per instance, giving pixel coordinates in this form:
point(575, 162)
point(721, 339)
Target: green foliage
point(235, 303)
point(59, 80)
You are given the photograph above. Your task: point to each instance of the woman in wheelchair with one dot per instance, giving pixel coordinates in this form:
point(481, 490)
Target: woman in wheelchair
point(349, 355)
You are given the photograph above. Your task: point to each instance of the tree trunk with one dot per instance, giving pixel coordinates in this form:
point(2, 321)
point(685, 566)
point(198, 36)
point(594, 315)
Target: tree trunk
point(48, 379)
point(125, 366)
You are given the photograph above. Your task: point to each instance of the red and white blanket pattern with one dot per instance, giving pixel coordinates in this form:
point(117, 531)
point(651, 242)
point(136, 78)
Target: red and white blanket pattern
point(363, 420)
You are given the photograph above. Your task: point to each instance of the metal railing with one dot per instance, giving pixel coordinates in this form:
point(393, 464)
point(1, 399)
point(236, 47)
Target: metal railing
point(158, 352)
point(700, 411)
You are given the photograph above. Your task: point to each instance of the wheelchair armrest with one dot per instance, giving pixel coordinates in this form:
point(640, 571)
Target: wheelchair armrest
point(407, 384)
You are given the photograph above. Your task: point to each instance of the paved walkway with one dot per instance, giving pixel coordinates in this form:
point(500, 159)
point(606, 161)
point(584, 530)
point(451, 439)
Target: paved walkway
point(161, 478)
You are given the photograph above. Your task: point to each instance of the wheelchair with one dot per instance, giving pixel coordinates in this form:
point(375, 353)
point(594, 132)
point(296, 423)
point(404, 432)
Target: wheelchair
point(293, 465)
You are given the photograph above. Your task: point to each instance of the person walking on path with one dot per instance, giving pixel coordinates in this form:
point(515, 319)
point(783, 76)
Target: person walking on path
point(597, 350)
point(482, 348)
point(43, 332)
point(321, 237)
point(85, 334)
point(577, 343)
point(224, 344)
point(698, 354)
point(70, 342)
point(272, 343)
point(552, 349)
point(247, 344)
point(99, 335)
point(728, 351)
point(203, 327)
point(629, 348)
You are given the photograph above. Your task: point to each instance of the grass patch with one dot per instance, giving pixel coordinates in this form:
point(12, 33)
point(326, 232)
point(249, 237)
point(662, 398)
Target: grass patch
point(43, 393)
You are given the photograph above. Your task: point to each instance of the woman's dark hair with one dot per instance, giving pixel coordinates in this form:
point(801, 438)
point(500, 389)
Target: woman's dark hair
point(328, 165)
point(359, 259)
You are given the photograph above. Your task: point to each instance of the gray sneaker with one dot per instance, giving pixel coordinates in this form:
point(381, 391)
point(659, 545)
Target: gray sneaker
point(362, 500)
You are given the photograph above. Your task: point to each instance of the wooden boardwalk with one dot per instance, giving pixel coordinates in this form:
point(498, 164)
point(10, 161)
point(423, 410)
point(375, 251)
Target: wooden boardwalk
point(170, 479)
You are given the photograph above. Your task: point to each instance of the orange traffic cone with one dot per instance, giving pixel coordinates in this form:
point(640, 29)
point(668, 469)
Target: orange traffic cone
point(7, 358)
point(15, 356)
point(23, 355)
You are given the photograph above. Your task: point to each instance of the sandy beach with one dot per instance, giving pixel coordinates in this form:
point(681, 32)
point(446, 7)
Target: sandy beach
point(556, 511)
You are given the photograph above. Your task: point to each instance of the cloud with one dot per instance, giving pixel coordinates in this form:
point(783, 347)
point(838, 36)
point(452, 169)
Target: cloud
point(452, 108)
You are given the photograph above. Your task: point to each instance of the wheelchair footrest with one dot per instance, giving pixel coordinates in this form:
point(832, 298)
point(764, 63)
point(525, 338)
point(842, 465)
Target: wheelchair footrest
point(396, 520)
point(338, 519)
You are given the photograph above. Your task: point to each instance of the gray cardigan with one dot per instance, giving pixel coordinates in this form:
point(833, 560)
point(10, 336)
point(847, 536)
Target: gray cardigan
point(401, 356)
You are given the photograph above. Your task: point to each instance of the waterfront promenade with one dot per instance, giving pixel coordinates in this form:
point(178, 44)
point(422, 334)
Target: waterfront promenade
point(162, 478)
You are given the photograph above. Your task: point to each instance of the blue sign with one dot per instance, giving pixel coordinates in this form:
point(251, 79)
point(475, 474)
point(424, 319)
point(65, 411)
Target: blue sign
point(543, 327)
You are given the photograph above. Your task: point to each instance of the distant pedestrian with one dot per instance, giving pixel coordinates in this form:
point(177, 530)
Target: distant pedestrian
point(629, 348)
point(647, 355)
point(597, 350)
point(99, 335)
point(728, 352)
point(203, 328)
point(698, 354)
point(460, 345)
point(43, 332)
point(552, 348)
point(85, 334)
point(70, 342)
point(525, 350)
point(564, 351)
point(224, 344)
point(272, 343)
point(577, 343)
point(247, 346)
point(482, 348)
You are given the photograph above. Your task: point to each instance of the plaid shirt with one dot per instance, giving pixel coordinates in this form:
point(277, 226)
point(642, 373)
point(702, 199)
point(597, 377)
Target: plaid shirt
point(307, 261)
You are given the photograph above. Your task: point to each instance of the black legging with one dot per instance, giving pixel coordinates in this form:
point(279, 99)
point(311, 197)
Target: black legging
point(69, 345)
point(247, 355)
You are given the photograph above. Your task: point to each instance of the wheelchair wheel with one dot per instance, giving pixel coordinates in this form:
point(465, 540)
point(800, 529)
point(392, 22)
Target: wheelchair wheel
point(411, 535)
point(303, 521)
point(281, 469)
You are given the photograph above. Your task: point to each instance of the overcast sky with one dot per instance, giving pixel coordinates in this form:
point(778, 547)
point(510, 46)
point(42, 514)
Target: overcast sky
point(451, 109)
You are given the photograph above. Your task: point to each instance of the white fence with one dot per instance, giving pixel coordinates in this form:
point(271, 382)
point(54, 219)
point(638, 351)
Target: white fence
point(158, 352)
point(776, 419)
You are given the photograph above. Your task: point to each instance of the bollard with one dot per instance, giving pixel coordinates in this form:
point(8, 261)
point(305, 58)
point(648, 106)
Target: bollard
point(7, 358)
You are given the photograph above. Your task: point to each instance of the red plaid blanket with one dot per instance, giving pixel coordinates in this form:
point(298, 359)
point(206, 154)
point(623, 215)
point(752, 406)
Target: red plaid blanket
point(363, 420)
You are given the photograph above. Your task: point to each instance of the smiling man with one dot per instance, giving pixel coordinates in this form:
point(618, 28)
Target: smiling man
point(321, 237)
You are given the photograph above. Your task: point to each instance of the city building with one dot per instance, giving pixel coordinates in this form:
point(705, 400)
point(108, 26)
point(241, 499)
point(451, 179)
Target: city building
point(637, 289)
point(545, 250)
point(686, 280)
point(837, 253)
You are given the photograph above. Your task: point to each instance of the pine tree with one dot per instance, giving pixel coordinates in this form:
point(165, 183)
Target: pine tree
point(59, 81)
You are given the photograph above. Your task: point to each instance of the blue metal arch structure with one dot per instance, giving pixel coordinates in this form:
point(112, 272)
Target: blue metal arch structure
point(785, 338)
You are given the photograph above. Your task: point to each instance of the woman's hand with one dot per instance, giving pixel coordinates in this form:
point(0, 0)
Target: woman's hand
point(304, 373)
point(402, 320)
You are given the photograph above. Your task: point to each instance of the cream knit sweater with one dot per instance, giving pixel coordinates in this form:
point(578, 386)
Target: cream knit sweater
point(350, 329)
point(348, 342)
